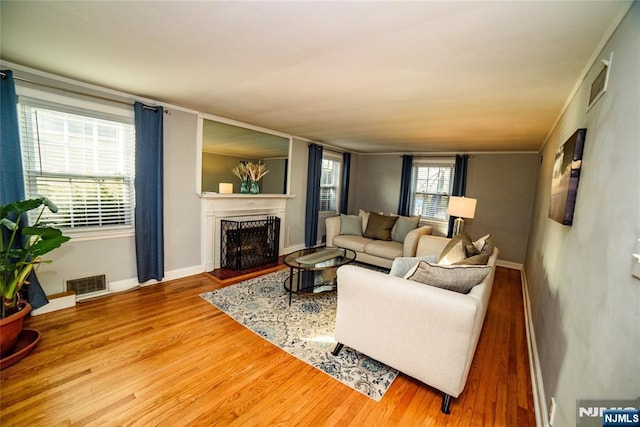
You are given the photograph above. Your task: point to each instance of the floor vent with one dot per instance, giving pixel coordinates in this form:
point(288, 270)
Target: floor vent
point(88, 285)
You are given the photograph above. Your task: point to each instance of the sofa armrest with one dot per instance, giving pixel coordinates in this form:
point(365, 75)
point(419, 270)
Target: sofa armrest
point(431, 245)
point(410, 244)
point(423, 331)
point(332, 228)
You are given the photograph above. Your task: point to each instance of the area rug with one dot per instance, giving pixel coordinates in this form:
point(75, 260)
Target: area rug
point(304, 329)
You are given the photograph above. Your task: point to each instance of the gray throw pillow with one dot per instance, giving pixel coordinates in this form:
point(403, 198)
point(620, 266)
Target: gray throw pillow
point(379, 226)
point(402, 265)
point(351, 224)
point(403, 226)
point(461, 278)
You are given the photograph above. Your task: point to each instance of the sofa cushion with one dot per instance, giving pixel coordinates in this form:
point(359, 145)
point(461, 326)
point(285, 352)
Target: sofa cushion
point(455, 249)
point(355, 243)
point(351, 225)
point(402, 265)
point(403, 226)
point(460, 278)
point(379, 226)
point(384, 249)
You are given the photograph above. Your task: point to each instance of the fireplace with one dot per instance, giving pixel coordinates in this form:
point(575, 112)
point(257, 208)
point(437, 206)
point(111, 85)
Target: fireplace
point(250, 243)
point(238, 207)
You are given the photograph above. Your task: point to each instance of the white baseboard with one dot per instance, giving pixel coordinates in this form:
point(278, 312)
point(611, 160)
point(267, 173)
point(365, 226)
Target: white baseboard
point(293, 248)
point(56, 303)
point(124, 285)
point(539, 397)
point(509, 264)
point(66, 301)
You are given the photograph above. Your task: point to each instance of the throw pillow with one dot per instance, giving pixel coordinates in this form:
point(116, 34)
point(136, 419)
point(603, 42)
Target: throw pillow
point(455, 254)
point(403, 226)
point(379, 226)
point(482, 258)
point(454, 251)
point(402, 265)
point(365, 219)
point(458, 279)
point(479, 244)
point(351, 224)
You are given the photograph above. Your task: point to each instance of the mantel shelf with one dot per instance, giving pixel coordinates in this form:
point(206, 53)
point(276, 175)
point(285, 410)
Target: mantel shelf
point(245, 196)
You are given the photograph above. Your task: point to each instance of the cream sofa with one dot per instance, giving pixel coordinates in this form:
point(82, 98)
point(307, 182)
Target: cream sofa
point(426, 332)
point(370, 251)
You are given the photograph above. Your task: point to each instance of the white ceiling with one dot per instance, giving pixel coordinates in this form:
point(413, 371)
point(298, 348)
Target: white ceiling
point(367, 76)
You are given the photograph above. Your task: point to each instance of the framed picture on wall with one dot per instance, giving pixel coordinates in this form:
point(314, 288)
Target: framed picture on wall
point(565, 178)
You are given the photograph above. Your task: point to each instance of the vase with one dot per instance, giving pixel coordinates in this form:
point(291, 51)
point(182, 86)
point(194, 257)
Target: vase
point(244, 186)
point(255, 188)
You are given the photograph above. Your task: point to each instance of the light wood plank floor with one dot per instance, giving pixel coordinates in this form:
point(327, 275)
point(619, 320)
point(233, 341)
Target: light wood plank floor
point(161, 355)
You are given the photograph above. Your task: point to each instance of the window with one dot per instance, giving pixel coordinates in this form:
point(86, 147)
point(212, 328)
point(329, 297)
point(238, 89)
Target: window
point(81, 160)
point(432, 185)
point(330, 182)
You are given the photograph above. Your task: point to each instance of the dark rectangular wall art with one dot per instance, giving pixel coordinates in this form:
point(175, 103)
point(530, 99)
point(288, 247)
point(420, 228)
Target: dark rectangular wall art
point(566, 174)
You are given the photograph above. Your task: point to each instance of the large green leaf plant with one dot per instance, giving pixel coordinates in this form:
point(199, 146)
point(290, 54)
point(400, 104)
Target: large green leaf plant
point(22, 247)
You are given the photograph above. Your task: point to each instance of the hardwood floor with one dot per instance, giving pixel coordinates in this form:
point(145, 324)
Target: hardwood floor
point(161, 355)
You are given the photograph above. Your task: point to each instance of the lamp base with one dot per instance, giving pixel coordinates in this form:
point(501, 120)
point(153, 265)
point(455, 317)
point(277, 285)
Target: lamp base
point(458, 226)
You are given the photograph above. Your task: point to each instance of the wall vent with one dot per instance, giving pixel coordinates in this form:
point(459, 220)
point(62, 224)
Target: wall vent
point(88, 285)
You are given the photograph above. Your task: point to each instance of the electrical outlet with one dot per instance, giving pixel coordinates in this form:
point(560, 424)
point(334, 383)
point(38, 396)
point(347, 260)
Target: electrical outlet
point(552, 411)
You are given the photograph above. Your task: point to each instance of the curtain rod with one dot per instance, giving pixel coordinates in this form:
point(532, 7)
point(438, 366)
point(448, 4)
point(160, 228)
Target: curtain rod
point(75, 92)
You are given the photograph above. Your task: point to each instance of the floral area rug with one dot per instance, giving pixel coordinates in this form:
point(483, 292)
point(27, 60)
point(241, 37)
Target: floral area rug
point(304, 329)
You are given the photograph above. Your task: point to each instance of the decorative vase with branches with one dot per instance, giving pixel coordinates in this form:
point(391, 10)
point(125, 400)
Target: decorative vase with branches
point(250, 173)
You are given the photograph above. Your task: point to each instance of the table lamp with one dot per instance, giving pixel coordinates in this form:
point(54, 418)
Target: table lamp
point(461, 207)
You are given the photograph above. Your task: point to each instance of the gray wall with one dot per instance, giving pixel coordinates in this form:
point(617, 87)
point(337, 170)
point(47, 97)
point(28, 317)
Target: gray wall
point(115, 256)
point(378, 183)
point(216, 168)
point(296, 206)
point(585, 304)
point(504, 185)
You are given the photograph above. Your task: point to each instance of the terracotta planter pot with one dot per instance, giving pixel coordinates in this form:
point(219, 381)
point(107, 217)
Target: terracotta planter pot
point(10, 328)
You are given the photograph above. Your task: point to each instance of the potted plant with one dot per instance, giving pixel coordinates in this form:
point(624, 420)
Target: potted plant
point(22, 249)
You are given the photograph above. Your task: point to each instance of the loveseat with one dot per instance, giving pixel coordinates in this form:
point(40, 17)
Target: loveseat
point(424, 331)
point(380, 250)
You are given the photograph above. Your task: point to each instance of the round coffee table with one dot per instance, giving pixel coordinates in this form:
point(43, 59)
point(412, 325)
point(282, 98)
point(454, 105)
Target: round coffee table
point(313, 270)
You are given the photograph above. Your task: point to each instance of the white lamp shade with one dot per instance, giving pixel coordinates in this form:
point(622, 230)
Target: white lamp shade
point(463, 207)
point(225, 188)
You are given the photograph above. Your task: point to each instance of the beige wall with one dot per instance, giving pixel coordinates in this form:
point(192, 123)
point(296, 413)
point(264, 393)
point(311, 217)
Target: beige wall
point(585, 304)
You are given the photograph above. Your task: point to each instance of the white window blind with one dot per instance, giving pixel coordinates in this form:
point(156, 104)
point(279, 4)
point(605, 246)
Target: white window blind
point(432, 185)
point(330, 182)
point(82, 160)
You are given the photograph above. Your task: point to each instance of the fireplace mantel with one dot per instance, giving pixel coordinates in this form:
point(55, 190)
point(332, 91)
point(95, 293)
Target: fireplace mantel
point(216, 207)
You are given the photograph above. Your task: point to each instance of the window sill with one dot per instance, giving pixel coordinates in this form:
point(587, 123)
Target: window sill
point(98, 233)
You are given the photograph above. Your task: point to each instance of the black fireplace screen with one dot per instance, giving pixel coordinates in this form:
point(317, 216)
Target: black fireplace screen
point(247, 244)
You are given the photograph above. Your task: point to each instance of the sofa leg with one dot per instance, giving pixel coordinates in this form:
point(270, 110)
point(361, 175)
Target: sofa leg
point(336, 350)
point(446, 402)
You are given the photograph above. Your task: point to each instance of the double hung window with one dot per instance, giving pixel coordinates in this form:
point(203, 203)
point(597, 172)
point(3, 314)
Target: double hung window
point(330, 182)
point(432, 184)
point(82, 160)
